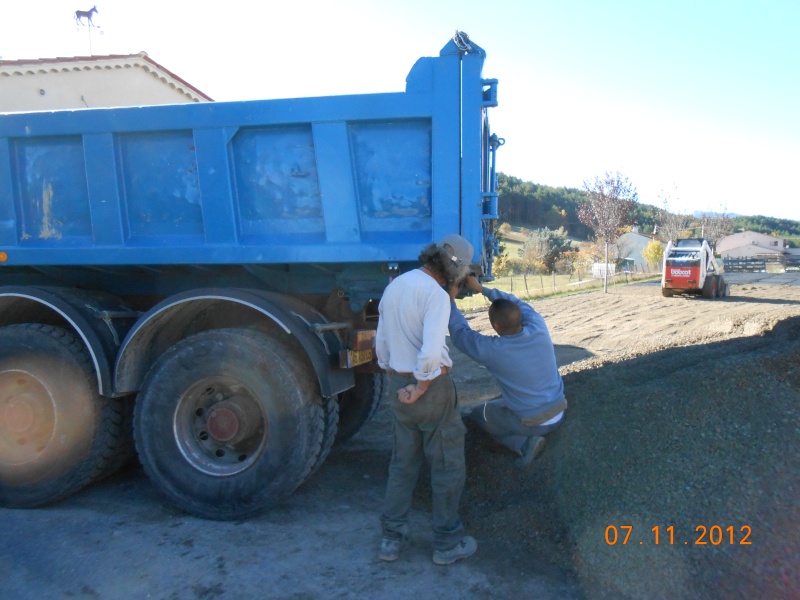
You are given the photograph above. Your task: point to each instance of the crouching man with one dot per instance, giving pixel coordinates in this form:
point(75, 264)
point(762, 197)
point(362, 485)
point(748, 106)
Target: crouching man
point(523, 361)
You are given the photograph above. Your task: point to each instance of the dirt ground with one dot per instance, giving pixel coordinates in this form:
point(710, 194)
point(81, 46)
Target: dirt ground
point(684, 413)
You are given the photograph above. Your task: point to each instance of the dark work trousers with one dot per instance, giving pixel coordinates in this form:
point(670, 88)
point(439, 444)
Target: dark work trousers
point(431, 429)
point(505, 426)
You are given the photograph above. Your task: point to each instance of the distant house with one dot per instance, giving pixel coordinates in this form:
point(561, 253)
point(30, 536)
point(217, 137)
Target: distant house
point(91, 82)
point(750, 243)
point(631, 246)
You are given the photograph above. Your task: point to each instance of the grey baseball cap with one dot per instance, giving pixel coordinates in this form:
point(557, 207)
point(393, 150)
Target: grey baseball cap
point(459, 249)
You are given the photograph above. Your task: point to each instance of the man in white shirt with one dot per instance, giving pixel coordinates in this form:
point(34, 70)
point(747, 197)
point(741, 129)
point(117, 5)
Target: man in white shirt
point(410, 346)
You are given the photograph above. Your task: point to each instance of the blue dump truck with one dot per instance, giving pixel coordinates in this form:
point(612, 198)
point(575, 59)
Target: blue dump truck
point(198, 284)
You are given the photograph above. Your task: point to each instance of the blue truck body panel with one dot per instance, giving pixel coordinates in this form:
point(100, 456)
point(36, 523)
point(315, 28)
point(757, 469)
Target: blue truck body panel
point(216, 268)
point(330, 180)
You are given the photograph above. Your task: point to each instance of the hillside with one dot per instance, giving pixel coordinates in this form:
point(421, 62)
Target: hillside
point(532, 205)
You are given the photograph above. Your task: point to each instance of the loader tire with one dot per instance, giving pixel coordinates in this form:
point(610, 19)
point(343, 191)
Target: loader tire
point(228, 422)
point(710, 287)
point(722, 288)
point(57, 433)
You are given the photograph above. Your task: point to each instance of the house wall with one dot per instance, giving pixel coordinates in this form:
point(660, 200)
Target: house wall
point(747, 238)
point(632, 245)
point(67, 84)
point(747, 251)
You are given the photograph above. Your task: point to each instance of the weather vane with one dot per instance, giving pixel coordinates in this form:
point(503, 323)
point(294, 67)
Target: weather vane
point(80, 15)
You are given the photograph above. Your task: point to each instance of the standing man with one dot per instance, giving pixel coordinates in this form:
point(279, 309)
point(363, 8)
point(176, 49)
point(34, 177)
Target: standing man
point(410, 345)
point(523, 361)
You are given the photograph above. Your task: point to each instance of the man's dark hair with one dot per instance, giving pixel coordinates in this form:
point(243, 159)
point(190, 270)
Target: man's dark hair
point(505, 316)
point(438, 261)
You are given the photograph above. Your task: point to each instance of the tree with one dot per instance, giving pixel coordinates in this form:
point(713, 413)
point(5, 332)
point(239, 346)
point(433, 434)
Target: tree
point(609, 206)
point(653, 253)
point(715, 226)
point(543, 247)
point(670, 225)
point(535, 205)
point(568, 263)
point(502, 265)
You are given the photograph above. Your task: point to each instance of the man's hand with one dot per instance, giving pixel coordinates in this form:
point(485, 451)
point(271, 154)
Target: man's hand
point(473, 284)
point(411, 393)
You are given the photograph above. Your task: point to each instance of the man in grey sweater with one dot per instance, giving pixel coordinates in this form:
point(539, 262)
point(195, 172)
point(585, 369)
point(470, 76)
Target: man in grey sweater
point(523, 361)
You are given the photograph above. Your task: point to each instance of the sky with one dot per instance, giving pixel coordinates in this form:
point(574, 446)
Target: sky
point(695, 101)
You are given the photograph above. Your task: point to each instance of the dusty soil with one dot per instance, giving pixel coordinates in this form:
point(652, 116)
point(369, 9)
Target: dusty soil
point(683, 413)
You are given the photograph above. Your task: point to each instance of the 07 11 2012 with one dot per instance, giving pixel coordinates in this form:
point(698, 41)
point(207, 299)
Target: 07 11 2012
point(714, 535)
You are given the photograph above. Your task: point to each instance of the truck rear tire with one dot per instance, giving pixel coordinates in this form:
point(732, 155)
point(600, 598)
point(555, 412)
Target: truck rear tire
point(710, 287)
point(124, 451)
point(57, 433)
point(228, 422)
point(667, 293)
point(358, 404)
point(330, 409)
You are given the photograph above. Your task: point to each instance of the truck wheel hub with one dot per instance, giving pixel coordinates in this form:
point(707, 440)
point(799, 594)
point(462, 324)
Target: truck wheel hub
point(27, 418)
point(223, 422)
point(17, 415)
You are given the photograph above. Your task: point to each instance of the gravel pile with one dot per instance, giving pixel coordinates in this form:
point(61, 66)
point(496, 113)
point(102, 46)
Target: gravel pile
point(703, 439)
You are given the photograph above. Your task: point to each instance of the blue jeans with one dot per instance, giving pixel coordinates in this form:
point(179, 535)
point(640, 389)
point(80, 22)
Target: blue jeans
point(505, 426)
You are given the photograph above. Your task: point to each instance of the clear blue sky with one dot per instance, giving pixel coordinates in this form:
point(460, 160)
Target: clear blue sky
point(699, 99)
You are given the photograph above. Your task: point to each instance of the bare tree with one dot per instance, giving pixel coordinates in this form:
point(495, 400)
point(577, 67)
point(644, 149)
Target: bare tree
point(715, 225)
point(610, 202)
point(670, 225)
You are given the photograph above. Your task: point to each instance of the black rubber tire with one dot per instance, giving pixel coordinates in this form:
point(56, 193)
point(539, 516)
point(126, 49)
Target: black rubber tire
point(710, 287)
point(722, 287)
point(358, 404)
point(124, 451)
point(330, 409)
point(57, 433)
point(185, 408)
point(667, 293)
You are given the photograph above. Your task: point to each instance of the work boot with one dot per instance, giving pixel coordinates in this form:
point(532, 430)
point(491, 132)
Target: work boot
point(532, 448)
point(463, 549)
point(390, 548)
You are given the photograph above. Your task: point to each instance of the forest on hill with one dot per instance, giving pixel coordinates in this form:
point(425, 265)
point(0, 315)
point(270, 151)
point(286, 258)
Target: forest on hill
point(535, 206)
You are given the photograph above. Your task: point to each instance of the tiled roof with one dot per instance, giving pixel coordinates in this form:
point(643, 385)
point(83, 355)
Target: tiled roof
point(87, 63)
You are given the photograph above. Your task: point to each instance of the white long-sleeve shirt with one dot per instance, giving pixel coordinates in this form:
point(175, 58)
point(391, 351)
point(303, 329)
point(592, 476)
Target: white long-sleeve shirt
point(414, 313)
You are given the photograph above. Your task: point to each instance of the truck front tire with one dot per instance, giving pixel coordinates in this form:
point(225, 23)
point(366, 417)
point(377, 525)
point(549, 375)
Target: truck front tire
point(57, 433)
point(228, 422)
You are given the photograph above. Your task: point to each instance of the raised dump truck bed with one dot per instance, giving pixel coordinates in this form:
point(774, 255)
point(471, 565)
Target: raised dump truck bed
point(250, 241)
